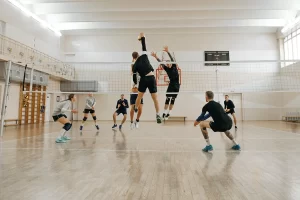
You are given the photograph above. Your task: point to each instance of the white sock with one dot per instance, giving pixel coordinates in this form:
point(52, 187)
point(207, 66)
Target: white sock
point(65, 133)
point(157, 113)
point(169, 112)
point(207, 141)
point(234, 142)
point(165, 111)
point(61, 133)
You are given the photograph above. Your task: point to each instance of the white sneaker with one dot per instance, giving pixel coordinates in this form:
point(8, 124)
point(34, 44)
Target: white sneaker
point(132, 126)
point(136, 124)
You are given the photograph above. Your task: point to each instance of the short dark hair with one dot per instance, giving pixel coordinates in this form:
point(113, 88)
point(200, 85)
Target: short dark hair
point(226, 95)
point(71, 96)
point(135, 55)
point(209, 94)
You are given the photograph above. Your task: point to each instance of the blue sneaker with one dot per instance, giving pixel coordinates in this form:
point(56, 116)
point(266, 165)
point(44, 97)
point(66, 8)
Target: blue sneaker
point(97, 127)
point(81, 127)
point(60, 140)
point(65, 138)
point(114, 126)
point(208, 148)
point(120, 127)
point(236, 147)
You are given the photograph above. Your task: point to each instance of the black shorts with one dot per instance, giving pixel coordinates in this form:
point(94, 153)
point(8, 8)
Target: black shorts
point(173, 87)
point(148, 82)
point(56, 117)
point(133, 98)
point(231, 111)
point(124, 112)
point(221, 127)
point(86, 111)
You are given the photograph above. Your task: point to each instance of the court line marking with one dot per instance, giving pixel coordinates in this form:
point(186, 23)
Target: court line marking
point(258, 127)
point(158, 151)
point(150, 138)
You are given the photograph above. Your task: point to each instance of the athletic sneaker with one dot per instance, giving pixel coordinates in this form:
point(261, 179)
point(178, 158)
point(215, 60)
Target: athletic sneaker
point(208, 148)
point(167, 116)
point(120, 127)
point(136, 124)
point(164, 115)
point(97, 127)
point(114, 126)
point(132, 125)
point(81, 127)
point(59, 140)
point(236, 147)
point(158, 119)
point(65, 138)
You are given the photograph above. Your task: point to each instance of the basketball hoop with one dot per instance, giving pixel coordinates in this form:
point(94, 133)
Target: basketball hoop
point(162, 78)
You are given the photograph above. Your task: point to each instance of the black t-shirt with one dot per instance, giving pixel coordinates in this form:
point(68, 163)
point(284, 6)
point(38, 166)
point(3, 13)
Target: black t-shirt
point(172, 73)
point(216, 112)
point(121, 101)
point(228, 104)
point(142, 66)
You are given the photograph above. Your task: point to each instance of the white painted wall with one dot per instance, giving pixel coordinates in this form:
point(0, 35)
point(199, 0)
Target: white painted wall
point(256, 46)
point(251, 79)
point(27, 31)
point(12, 110)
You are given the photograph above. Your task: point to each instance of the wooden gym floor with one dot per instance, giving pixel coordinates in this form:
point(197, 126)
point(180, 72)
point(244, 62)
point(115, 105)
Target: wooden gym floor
point(153, 162)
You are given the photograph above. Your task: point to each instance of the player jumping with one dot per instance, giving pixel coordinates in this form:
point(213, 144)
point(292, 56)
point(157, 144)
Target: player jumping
point(174, 84)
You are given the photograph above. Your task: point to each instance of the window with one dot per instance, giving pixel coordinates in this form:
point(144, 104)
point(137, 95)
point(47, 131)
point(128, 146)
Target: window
point(292, 46)
point(298, 44)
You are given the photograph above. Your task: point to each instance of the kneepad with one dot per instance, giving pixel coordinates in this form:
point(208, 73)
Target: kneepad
point(67, 126)
point(84, 118)
point(94, 117)
point(172, 100)
point(167, 100)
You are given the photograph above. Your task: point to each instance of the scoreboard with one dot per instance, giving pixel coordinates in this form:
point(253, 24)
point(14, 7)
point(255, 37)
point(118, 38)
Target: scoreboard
point(216, 56)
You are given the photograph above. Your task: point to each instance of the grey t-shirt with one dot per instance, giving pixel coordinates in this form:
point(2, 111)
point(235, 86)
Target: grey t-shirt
point(62, 107)
point(90, 102)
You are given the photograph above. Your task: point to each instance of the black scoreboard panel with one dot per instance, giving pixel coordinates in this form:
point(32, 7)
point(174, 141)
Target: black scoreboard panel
point(216, 56)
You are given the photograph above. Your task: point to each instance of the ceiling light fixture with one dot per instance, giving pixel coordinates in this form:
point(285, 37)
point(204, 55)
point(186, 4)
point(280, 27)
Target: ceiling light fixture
point(35, 17)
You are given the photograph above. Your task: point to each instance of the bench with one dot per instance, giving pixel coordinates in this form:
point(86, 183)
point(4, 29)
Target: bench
point(176, 118)
point(291, 117)
point(11, 120)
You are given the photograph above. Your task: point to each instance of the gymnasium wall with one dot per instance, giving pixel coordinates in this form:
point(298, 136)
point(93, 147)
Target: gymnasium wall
point(12, 110)
point(27, 31)
point(117, 48)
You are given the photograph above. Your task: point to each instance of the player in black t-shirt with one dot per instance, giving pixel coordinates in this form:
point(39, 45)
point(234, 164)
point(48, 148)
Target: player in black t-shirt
point(229, 108)
point(122, 105)
point(222, 122)
point(174, 85)
point(143, 67)
point(133, 98)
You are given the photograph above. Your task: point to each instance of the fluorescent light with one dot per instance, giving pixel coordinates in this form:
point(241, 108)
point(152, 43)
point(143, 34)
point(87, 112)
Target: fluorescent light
point(34, 16)
point(290, 25)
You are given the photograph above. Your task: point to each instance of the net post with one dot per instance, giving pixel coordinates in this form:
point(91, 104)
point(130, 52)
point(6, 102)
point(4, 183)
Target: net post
point(5, 95)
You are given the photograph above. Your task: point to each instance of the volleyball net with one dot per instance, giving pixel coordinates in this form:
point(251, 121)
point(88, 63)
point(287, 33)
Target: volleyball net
point(194, 77)
point(261, 90)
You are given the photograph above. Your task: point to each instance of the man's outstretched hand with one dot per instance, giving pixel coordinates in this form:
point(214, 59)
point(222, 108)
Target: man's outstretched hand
point(141, 35)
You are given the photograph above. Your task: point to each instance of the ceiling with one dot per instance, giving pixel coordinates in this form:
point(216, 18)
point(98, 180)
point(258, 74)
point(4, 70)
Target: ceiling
point(164, 16)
